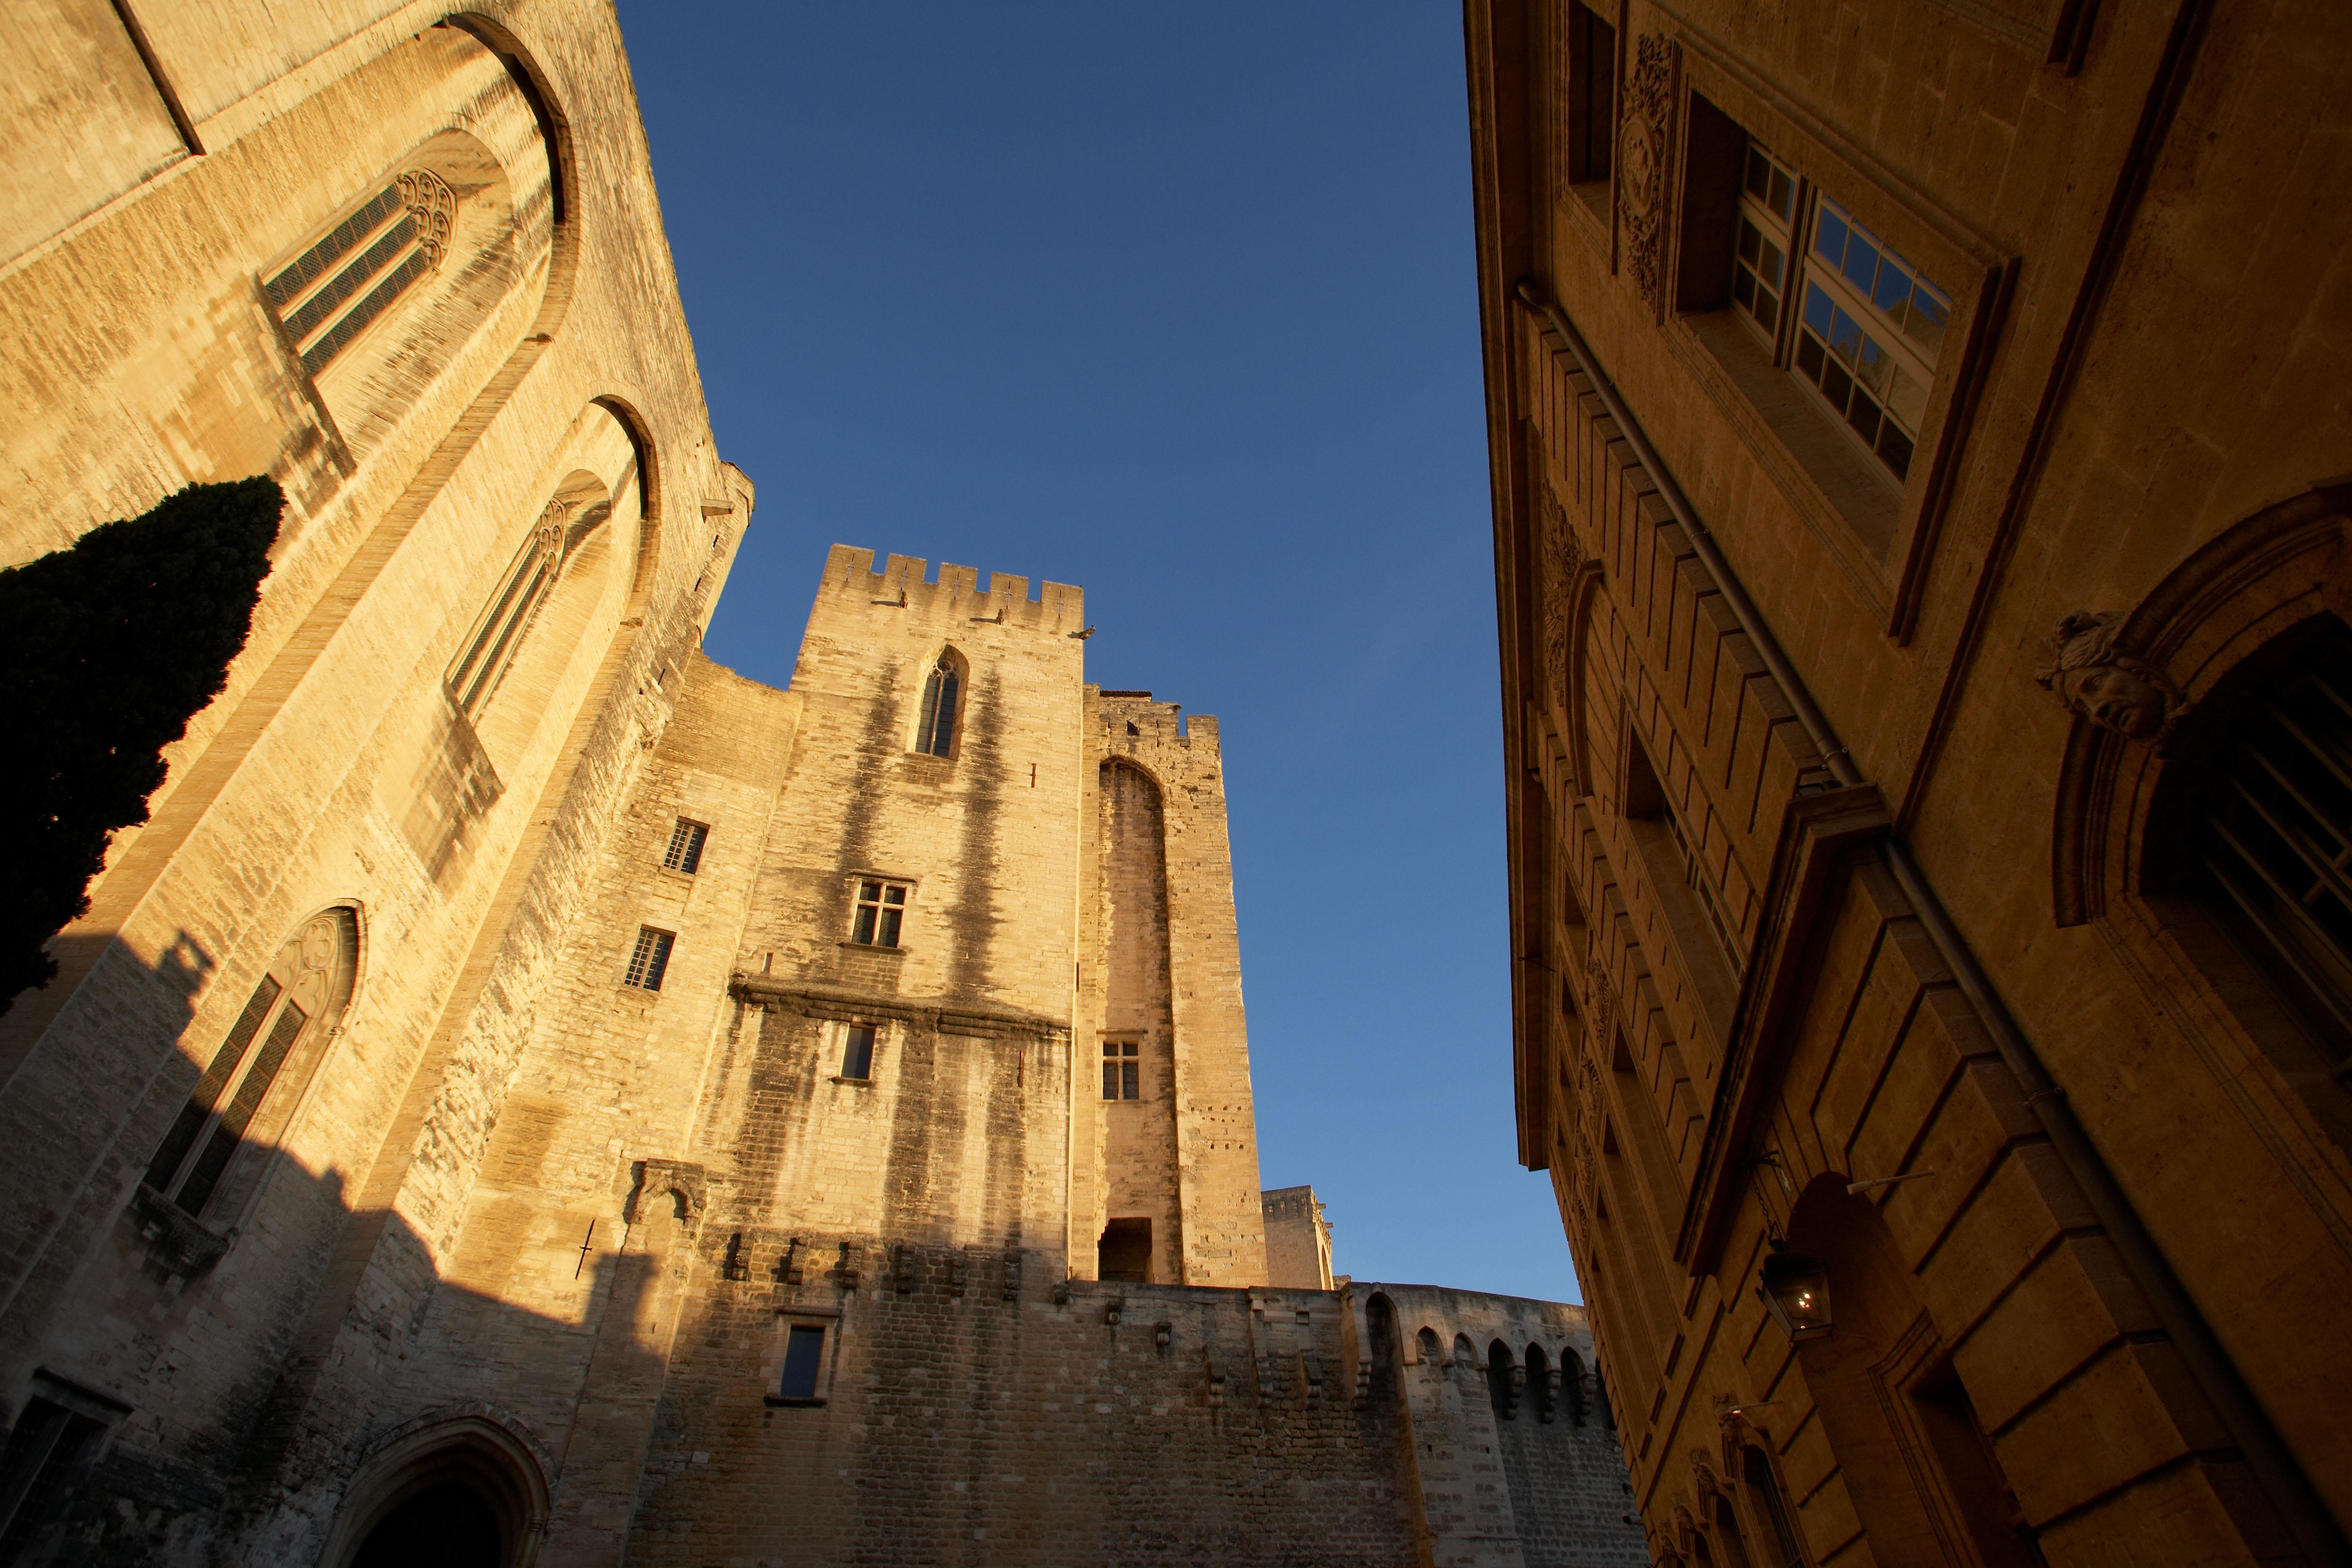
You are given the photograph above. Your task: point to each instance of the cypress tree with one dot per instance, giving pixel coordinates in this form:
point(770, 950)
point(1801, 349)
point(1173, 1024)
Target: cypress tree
point(107, 649)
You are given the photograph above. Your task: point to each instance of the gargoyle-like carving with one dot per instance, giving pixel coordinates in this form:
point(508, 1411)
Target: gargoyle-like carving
point(2113, 690)
point(1648, 139)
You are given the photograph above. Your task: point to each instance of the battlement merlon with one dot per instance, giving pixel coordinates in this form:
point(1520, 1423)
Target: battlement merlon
point(1163, 722)
point(955, 600)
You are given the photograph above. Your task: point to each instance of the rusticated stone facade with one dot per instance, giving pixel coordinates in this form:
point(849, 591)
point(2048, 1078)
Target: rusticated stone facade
point(530, 1094)
point(1920, 522)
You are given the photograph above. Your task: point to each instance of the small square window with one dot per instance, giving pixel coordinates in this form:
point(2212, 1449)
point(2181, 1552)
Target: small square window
point(1122, 1070)
point(650, 959)
point(880, 908)
point(857, 1052)
point(685, 851)
point(803, 1361)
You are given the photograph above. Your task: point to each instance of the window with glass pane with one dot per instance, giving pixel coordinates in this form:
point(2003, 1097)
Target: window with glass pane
point(1767, 211)
point(880, 908)
point(305, 981)
point(685, 851)
point(649, 960)
point(1868, 333)
point(936, 735)
point(350, 275)
point(857, 1052)
point(1122, 1070)
point(804, 1362)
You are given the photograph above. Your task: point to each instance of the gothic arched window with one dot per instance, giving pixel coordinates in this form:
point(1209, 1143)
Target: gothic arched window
point(298, 999)
point(2256, 824)
point(347, 277)
point(936, 735)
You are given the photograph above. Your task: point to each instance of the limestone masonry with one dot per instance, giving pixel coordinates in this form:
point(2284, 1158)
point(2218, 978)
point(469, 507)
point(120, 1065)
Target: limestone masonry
point(530, 1094)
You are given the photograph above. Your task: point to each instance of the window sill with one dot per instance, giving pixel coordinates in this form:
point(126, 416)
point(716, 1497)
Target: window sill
point(873, 947)
point(785, 1401)
point(672, 874)
point(1850, 501)
point(1589, 200)
point(861, 1082)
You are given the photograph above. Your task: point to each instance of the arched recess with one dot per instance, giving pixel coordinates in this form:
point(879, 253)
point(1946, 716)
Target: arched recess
point(532, 641)
point(2279, 567)
point(1503, 1377)
point(539, 91)
point(2237, 625)
point(942, 708)
point(461, 1491)
point(1885, 1392)
point(1540, 1392)
point(256, 1068)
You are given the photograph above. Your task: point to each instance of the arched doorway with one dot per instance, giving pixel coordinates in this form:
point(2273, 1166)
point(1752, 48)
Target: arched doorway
point(457, 1493)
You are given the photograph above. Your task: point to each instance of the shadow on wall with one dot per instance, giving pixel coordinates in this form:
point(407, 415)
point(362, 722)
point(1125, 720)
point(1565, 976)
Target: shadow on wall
point(298, 1373)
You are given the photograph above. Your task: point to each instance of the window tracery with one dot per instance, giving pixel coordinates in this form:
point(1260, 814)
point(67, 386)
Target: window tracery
point(344, 280)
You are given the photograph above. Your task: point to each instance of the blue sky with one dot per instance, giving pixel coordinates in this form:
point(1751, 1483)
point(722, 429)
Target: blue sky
point(1174, 303)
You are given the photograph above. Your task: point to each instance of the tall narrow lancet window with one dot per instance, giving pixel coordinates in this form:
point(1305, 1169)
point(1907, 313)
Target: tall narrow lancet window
point(490, 648)
point(296, 1000)
point(937, 734)
point(345, 279)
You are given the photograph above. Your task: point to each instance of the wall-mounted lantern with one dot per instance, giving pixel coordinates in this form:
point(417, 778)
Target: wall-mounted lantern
point(1796, 1292)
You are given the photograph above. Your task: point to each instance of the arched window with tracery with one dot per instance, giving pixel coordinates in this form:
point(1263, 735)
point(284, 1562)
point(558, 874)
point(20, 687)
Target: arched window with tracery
point(2253, 823)
point(936, 733)
point(295, 1003)
point(347, 276)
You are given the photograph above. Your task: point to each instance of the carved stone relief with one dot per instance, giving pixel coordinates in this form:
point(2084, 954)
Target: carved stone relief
point(1562, 555)
point(1647, 146)
point(2083, 667)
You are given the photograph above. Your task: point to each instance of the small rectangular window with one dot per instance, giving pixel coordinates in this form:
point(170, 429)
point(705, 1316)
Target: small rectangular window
point(880, 906)
point(1592, 96)
point(803, 1361)
point(650, 959)
point(1122, 1070)
point(685, 851)
point(857, 1052)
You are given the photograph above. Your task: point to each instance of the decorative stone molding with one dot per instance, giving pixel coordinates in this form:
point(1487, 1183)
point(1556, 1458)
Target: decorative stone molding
point(2083, 667)
point(176, 1239)
point(682, 1178)
point(1646, 148)
point(432, 208)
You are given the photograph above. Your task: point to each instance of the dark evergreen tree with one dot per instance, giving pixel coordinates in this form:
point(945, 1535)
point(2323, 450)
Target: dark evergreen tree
point(107, 649)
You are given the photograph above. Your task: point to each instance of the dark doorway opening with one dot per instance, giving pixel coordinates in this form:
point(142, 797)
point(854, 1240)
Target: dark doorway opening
point(1125, 1253)
point(448, 1524)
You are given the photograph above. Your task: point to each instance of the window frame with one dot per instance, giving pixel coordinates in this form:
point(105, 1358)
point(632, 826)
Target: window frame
point(372, 254)
point(940, 715)
point(856, 1052)
point(258, 1062)
point(1880, 532)
point(649, 960)
point(687, 840)
point(877, 918)
point(1122, 1064)
point(829, 1321)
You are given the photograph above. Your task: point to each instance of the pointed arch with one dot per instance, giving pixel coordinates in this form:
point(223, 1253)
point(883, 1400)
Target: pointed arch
point(947, 684)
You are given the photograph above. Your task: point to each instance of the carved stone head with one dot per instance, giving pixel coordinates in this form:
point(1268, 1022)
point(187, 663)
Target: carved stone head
point(2112, 689)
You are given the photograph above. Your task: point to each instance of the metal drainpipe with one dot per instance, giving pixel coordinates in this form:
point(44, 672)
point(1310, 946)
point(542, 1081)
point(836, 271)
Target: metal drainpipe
point(2266, 1454)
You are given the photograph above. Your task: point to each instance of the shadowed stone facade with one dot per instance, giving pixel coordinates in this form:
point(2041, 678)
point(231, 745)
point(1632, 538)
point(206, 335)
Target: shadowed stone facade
point(1921, 520)
point(530, 1094)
